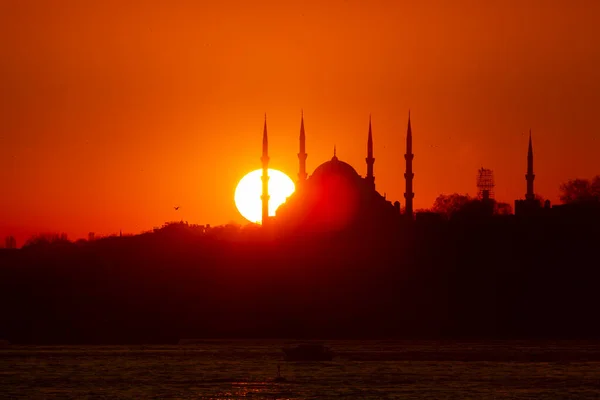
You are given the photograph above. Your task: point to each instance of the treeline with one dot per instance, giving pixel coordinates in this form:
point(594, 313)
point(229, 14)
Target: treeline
point(476, 277)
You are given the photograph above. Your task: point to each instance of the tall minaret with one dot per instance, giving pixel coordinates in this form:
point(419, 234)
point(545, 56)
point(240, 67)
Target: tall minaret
point(302, 154)
point(408, 175)
point(265, 175)
point(370, 160)
point(530, 195)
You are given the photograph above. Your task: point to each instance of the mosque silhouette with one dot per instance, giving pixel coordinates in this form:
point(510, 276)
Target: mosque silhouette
point(335, 196)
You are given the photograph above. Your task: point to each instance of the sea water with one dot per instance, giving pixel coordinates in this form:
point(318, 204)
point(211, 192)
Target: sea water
point(243, 369)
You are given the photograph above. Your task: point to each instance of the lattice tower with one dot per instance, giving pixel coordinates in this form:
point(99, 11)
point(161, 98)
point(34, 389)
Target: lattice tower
point(485, 183)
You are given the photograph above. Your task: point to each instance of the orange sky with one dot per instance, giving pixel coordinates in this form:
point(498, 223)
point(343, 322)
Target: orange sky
point(113, 112)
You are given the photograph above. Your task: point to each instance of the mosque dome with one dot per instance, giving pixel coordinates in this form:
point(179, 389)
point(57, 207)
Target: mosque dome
point(335, 167)
point(335, 197)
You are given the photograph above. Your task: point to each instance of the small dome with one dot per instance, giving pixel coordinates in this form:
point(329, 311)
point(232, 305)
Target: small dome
point(335, 167)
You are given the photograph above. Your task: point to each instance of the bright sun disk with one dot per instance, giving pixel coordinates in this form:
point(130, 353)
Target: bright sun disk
point(249, 189)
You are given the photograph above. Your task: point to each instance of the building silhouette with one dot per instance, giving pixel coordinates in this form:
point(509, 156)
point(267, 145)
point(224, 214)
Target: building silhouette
point(529, 177)
point(265, 175)
point(409, 175)
point(10, 242)
point(302, 176)
point(370, 178)
point(335, 196)
point(531, 205)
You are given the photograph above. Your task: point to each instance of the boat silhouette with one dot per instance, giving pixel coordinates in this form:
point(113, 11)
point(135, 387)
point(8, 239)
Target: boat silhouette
point(308, 352)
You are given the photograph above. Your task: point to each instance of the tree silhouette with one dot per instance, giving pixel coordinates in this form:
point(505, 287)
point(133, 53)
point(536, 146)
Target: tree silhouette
point(450, 204)
point(580, 190)
point(46, 239)
point(456, 204)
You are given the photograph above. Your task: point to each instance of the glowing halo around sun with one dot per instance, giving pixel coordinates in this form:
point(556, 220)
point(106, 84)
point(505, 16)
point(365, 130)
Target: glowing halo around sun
point(249, 189)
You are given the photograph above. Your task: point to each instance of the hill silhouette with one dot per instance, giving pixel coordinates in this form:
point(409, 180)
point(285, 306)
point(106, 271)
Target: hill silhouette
point(470, 276)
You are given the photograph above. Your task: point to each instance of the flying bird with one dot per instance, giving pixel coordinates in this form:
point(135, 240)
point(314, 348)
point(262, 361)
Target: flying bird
point(176, 208)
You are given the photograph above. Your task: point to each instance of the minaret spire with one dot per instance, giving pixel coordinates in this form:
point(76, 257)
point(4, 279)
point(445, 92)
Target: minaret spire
point(370, 159)
point(265, 175)
point(302, 154)
point(409, 175)
point(530, 195)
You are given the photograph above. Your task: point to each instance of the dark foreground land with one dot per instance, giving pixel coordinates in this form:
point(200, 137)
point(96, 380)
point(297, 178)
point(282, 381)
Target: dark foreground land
point(501, 277)
point(237, 369)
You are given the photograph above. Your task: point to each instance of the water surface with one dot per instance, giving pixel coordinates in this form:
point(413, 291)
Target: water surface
point(361, 370)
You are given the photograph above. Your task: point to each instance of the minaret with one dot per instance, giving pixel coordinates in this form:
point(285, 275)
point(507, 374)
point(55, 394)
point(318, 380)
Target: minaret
point(530, 195)
point(408, 175)
point(302, 154)
point(370, 160)
point(265, 175)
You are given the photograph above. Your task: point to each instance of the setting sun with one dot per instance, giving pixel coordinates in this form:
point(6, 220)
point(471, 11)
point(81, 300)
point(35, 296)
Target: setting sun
point(249, 190)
